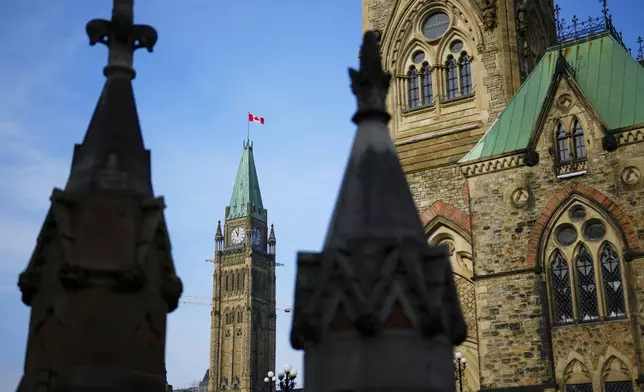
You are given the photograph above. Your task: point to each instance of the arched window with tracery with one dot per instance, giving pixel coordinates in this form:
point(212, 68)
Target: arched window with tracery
point(586, 285)
point(612, 282)
point(563, 144)
point(465, 73)
point(226, 282)
point(576, 377)
point(451, 77)
point(427, 87)
point(412, 88)
point(616, 376)
point(585, 270)
point(560, 280)
point(578, 140)
point(243, 279)
point(237, 281)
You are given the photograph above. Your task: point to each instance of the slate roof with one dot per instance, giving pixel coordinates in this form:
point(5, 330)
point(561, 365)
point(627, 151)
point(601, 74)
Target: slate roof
point(608, 76)
point(246, 188)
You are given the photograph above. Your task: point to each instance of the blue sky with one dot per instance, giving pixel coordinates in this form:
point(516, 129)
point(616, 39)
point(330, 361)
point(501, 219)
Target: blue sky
point(215, 61)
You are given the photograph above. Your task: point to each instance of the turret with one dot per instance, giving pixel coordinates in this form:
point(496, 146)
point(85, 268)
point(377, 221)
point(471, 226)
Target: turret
point(219, 239)
point(271, 242)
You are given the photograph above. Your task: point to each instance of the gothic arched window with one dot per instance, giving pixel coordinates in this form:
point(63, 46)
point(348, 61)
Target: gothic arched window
point(412, 88)
point(237, 281)
point(451, 77)
point(563, 144)
point(240, 316)
point(578, 140)
point(585, 270)
point(226, 282)
point(465, 73)
point(586, 285)
point(616, 376)
point(243, 279)
point(612, 282)
point(560, 279)
point(427, 88)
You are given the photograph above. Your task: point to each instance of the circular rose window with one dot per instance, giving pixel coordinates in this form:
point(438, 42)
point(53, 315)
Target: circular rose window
point(435, 25)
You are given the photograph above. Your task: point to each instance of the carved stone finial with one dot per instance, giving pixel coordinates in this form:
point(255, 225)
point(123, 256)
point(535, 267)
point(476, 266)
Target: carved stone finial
point(121, 36)
point(370, 84)
point(489, 15)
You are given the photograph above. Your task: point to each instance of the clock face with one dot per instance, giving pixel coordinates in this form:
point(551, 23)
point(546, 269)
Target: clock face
point(237, 236)
point(257, 238)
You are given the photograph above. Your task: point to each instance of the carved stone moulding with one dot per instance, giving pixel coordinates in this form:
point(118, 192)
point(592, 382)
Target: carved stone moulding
point(630, 175)
point(521, 197)
point(564, 102)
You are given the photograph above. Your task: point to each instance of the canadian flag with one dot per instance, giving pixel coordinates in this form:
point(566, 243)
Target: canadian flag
point(254, 118)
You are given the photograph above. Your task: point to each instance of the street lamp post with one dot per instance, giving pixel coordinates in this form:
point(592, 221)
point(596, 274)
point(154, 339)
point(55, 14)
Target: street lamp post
point(287, 378)
point(459, 368)
point(270, 381)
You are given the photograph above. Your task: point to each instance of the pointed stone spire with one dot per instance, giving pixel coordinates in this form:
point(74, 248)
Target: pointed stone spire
point(378, 302)
point(219, 238)
point(101, 279)
point(112, 155)
point(218, 234)
point(271, 241)
point(271, 236)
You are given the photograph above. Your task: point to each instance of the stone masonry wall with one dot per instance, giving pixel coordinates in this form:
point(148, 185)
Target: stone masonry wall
point(506, 239)
point(378, 13)
point(444, 183)
point(509, 310)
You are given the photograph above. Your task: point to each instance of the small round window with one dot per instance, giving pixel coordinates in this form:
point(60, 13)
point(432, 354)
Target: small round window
point(566, 234)
point(456, 46)
point(435, 25)
point(594, 230)
point(578, 212)
point(418, 57)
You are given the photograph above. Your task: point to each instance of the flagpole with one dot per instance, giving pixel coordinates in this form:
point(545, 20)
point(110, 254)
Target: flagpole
point(248, 128)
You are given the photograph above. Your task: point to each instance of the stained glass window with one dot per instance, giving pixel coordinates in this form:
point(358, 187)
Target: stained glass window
point(579, 388)
point(560, 278)
point(618, 386)
point(586, 286)
point(426, 76)
point(612, 279)
point(412, 88)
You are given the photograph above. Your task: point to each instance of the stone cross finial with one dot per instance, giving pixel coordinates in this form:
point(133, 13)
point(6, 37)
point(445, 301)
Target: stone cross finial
point(121, 36)
point(370, 84)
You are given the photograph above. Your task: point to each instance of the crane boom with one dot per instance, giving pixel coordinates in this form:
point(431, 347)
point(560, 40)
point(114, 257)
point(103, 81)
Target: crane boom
point(195, 300)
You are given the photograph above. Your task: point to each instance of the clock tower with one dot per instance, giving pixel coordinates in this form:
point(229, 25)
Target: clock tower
point(242, 348)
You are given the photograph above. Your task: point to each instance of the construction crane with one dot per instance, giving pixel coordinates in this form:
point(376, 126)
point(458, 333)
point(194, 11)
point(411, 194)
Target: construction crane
point(207, 301)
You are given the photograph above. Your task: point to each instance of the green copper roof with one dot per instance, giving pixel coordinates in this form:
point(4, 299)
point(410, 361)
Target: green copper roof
point(608, 76)
point(246, 189)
